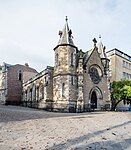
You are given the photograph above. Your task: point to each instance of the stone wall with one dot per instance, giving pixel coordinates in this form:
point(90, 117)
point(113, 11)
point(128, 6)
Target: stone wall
point(38, 91)
point(63, 60)
point(67, 98)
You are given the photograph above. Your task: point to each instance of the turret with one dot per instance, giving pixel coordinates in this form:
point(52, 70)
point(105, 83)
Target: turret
point(64, 82)
point(65, 52)
point(104, 59)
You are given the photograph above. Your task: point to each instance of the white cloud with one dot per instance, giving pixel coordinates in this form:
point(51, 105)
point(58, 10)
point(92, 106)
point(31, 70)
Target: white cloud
point(29, 29)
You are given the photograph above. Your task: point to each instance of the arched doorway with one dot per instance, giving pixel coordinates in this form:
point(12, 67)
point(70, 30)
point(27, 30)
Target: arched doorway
point(93, 100)
point(95, 97)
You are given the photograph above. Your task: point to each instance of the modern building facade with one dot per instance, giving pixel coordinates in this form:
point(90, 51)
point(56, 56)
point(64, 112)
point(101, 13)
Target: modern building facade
point(11, 79)
point(78, 80)
point(120, 65)
point(120, 69)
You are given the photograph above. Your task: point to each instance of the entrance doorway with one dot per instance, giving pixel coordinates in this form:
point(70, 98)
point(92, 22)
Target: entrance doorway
point(93, 100)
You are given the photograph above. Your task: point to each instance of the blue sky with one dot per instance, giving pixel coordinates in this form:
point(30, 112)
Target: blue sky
point(29, 28)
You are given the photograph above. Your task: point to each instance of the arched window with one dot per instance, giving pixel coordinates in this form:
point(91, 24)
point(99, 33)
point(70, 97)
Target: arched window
point(72, 59)
point(37, 94)
point(46, 80)
point(20, 76)
point(34, 93)
point(30, 94)
point(41, 91)
point(63, 89)
point(26, 95)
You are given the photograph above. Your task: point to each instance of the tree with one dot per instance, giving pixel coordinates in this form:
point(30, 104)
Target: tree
point(120, 91)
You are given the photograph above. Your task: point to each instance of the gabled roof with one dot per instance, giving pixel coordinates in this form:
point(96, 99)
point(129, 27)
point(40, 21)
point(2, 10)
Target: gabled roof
point(87, 55)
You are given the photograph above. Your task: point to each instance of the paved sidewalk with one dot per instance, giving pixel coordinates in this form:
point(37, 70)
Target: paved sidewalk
point(31, 129)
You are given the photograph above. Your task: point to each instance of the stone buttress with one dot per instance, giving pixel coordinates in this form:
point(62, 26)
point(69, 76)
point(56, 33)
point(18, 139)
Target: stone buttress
point(80, 82)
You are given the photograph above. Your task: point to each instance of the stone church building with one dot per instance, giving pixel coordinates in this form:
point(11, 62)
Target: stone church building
point(77, 82)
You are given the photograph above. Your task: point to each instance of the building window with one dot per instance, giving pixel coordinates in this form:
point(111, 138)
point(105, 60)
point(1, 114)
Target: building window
point(41, 91)
point(26, 95)
point(72, 80)
point(30, 95)
point(129, 66)
point(20, 76)
point(72, 59)
point(37, 93)
point(124, 63)
point(123, 74)
point(57, 60)
point(46, 81)
point(63, 89)
point(34, 93)
point(126, 75)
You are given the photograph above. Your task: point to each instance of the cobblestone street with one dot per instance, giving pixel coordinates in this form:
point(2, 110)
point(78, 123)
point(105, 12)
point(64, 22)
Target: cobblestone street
point(31, 129)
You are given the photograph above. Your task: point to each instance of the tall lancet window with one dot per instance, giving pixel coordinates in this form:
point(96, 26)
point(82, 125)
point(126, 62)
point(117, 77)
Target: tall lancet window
point(63, 89)
point(20, 75)
point(57, 59)
point(30, 94)
point(37, 93)
point(72, 59)
point(26, 95)
point(72, 80)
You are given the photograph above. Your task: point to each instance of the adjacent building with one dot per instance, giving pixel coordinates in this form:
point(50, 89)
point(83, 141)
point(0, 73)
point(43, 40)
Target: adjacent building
point(120, 65)
point(77, 82)
point(11, 80)
point(120, 69)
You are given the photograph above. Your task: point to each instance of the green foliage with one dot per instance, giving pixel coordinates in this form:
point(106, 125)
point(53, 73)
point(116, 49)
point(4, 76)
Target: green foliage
point(126, 90)
point(120, 90)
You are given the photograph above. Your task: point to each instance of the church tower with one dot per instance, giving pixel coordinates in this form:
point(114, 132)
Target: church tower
point(65, 78)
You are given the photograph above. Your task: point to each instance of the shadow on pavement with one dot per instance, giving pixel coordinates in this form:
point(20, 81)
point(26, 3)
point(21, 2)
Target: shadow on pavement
point(77, 143)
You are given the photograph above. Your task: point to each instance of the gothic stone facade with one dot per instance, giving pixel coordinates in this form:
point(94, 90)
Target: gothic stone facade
point(77, 82)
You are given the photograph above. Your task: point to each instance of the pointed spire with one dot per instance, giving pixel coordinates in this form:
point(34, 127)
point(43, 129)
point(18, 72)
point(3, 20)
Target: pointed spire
point(100, 45)
point(66, 19)
point(101, 48)
point(94, 41)
point(66, 35)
